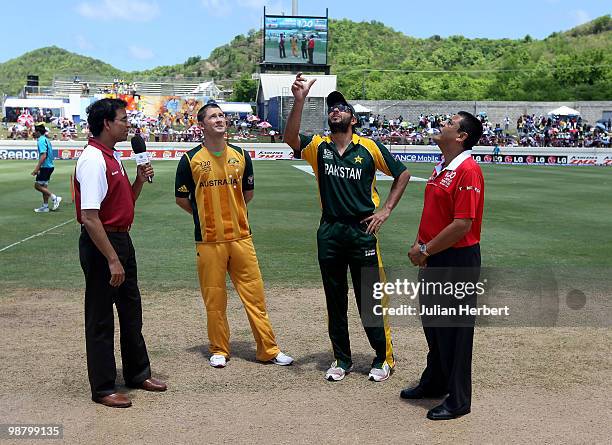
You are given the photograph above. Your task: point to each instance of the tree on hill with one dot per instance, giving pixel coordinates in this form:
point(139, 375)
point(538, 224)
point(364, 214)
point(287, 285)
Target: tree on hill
point(373, 61)
point(50, 62)
point(244, 89)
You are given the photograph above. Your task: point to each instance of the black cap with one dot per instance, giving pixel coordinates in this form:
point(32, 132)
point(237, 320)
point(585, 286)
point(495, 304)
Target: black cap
point(40, 128)
point(335, 98)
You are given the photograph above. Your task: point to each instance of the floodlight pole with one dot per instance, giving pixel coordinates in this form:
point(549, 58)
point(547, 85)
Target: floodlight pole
point(294, 7)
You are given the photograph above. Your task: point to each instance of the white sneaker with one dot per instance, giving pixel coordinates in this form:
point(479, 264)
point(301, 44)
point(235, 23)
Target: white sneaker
point(282, 359)
point(380, 374)
point(218, 361)
point(56, 202)
point(42, 209)
point(336, 373)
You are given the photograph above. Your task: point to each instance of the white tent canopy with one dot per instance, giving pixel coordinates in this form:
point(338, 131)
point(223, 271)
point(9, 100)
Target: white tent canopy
point(34, 103)
point(564, 111)
point(361, 109)
point(235, 107)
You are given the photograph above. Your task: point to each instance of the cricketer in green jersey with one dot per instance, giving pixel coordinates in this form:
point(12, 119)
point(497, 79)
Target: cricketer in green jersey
point(345, 166)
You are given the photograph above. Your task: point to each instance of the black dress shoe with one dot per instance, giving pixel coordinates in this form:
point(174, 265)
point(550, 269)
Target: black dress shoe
point(419, 393)
point(441, 413)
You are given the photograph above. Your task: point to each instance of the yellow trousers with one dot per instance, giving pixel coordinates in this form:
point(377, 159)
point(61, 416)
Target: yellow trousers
point(238, 258)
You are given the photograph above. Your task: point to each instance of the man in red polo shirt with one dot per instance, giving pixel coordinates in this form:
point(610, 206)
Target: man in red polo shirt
point(448, 251)
point(105, 207)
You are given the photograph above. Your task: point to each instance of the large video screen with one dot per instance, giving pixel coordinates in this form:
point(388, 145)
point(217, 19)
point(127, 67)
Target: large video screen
point(295, 40)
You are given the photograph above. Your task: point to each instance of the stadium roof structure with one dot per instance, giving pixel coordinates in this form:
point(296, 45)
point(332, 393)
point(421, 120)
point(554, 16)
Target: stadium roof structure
point(208, 88)
point(274, 85)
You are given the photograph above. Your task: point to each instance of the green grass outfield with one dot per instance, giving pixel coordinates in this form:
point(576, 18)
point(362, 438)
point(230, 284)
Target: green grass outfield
point(551, 216)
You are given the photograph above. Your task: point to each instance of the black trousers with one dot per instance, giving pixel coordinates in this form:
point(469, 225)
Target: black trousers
point(450, 339)
point(99, 316)
point(343, 246)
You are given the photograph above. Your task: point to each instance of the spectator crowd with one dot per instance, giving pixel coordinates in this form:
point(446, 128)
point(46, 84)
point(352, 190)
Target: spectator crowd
point(531, 130)
point(181, 126)
point(561, 131)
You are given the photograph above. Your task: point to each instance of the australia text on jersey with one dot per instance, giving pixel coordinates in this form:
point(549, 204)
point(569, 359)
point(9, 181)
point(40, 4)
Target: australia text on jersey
point(218, 182)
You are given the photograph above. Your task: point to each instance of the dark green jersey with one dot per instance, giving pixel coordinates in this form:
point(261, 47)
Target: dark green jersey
point(347, 183)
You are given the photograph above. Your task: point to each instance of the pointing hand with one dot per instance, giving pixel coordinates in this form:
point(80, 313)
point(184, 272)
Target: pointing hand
point(301, 86)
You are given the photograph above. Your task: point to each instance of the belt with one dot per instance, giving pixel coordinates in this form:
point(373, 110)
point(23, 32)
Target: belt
point(116, 228)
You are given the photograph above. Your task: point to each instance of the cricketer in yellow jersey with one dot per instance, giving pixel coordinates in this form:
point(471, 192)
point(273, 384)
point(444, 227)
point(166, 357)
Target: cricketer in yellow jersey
point(214, 183)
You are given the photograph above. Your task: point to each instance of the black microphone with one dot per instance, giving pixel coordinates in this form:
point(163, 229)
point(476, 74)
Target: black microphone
point(140, 150)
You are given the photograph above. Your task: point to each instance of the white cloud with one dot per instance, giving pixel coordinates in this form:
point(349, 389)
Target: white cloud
point(133, 10)
point(140, 53)
point(580, 16)
point(222, 8)
point(83, 43)
point(217, 8)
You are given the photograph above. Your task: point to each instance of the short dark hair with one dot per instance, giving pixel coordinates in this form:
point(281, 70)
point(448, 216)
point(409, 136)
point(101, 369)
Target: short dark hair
point(100, 110)
point(471, 125)
point(202, 111)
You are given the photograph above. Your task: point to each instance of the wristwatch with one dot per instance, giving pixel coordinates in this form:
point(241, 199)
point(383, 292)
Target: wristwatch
point(423, 249)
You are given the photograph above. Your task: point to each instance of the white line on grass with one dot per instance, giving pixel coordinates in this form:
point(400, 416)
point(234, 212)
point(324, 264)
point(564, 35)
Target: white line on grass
point(38, 234)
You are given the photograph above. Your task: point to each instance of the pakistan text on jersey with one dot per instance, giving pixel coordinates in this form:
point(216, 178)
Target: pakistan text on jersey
point(343, 172)
point(218, 182)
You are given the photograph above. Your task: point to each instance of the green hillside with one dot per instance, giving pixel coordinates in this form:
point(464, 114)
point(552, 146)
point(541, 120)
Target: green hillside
point(374, 61)
point(564, 66)
point(48, 62)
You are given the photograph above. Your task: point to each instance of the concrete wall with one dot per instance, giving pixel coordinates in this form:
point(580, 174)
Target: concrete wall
point(591, 111)
point(314, 116)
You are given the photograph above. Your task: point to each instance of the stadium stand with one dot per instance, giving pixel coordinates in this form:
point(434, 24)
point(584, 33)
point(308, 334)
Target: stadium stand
point(64, 86)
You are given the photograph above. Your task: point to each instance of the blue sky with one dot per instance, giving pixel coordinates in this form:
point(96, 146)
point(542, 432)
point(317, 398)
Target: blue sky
point(141, 34)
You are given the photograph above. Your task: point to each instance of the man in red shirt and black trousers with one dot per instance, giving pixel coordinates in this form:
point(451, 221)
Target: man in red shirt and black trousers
point(448, 251)
point(105, 208)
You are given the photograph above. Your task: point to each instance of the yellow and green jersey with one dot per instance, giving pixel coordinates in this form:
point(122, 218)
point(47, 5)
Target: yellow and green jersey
point(214, 184)
point(347, 183)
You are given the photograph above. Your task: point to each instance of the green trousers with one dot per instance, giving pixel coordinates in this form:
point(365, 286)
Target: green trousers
point(343, 246)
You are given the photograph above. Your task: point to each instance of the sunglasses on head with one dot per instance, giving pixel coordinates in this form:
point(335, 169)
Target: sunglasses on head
point(339, 107)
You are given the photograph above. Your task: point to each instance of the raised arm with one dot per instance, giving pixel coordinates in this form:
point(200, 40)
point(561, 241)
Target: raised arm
point(300, 89)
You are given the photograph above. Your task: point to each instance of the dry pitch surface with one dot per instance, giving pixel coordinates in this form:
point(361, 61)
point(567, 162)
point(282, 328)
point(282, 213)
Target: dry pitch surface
point(530, 384)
